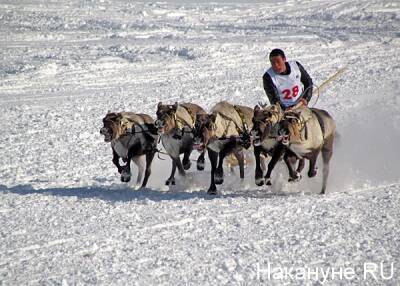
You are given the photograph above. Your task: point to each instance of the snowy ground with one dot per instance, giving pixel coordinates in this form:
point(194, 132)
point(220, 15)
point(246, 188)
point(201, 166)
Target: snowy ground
point(65, 217)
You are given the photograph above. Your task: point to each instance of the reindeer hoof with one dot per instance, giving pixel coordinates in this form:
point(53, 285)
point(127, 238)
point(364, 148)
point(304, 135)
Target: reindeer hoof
point(125, 179)
point(259, 181)
point(218, 178)
point(170, 182)
point(312, 173)
point(125, 175)
point(186, 165)
point(268, 182)
point(212, 190)
point(295, 179)
point(200, 165)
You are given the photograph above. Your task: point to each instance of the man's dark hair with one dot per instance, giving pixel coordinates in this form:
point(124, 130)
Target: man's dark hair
point(276, 52)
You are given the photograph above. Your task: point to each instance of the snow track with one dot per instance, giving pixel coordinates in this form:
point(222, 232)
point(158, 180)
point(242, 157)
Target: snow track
point(65, 217)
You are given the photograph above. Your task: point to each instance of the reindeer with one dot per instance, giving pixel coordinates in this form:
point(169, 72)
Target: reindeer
point(174, 123)
point(266, 123)
point(132, 137)
point(222, 132)
point(307, 133)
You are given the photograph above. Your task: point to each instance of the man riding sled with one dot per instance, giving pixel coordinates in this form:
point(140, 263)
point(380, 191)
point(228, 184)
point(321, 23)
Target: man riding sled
point(288, 84)
point(305, 132)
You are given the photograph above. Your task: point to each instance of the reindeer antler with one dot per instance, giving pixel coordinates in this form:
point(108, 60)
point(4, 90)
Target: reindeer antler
point(262, 105)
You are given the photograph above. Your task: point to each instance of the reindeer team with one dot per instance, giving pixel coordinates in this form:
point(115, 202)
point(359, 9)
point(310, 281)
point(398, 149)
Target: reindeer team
point(226, 129)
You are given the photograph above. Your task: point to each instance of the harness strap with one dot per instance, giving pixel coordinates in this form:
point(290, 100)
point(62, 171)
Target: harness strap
point(292, 114)
point(245, 127)
point(132, 129)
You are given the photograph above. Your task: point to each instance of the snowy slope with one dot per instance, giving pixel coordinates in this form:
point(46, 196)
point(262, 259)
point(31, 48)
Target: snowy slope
point(65, 217)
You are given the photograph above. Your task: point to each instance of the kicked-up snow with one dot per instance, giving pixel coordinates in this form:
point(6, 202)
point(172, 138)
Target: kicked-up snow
point(65, 217)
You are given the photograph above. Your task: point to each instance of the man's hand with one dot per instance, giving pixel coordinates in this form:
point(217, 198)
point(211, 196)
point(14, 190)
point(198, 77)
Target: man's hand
point(304, 101)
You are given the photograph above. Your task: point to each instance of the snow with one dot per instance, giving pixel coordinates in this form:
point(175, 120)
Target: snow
point(66, 219)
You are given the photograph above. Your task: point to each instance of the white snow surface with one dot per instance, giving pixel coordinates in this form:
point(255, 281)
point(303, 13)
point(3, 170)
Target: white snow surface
point(65, 217)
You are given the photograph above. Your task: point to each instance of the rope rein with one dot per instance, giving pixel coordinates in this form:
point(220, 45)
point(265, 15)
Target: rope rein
point(326, 82)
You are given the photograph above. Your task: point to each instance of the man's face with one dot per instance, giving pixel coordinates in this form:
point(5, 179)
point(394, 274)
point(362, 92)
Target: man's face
point(278, 64)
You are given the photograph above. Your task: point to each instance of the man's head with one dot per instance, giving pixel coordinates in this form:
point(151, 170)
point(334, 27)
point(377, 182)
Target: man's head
point(278, 60)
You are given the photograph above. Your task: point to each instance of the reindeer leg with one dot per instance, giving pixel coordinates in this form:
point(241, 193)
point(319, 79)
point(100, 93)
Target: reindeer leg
point(262, 162)
point(200, 161)
point(219, 172)
point(149, 160)
point(240, 157)
point(278, 152)
point(326, 156)
point(171, 179)
point(186, 159)
point(290, 160)
point(115, 160)
point(181, 170)
point(312, 171)
point(212, 190)
point(126, 170)
point(139, 162)
point(327, 151)
point(259, 171)
point(301, 165)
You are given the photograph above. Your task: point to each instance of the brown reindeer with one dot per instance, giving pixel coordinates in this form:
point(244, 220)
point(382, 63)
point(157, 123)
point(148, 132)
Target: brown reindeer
point(307, 133)
point(175, 123)
point(222, 132)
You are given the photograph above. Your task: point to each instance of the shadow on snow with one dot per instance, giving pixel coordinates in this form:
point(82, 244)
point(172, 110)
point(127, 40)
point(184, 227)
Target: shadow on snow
point(115, 194)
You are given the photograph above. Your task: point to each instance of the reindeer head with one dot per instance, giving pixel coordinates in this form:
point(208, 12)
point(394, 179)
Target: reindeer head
point(111, 126)
point(263, 120)
point(204, 130)
point(166, 118)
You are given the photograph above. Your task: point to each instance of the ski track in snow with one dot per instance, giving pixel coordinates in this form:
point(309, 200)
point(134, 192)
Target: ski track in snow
point(65, 217)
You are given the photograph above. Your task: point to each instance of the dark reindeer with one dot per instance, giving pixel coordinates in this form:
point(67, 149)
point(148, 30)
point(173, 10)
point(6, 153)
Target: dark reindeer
point(132, 137)
point(266, 124)
point(223, 132)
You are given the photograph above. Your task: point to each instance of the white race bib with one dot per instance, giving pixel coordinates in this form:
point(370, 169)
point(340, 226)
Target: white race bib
point(289, 86)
